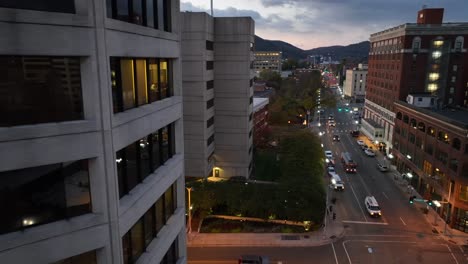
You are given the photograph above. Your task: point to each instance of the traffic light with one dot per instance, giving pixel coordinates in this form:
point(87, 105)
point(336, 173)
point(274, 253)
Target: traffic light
point(334, 216)
point(411, 199)
point(339, 109)
point(429, 202)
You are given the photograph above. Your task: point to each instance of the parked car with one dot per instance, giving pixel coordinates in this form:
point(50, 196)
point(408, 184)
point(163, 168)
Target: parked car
point(360, 143)
point(330, 169)
point(382, 167)
point(369, 152)
point(328, 154)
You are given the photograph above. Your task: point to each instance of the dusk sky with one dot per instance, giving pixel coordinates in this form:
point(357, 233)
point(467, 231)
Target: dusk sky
point(310, 24)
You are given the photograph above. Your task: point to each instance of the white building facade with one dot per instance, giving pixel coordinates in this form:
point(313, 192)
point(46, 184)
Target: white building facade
point(267, 60)
point(92, 167)
point(355, 84)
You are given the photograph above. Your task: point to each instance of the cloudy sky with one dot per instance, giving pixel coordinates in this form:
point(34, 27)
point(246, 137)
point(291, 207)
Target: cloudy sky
point(309, 24)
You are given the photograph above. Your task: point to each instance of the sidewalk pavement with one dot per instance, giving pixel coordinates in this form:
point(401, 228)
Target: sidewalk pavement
point(332, 232)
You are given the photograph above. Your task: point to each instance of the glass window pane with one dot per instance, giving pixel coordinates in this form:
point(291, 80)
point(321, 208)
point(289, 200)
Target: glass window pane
point(85, 258)
point(137, 15)
point(43, 194)
point(115, 83)
point(128, 89)
point(148, 219)
point(161, 14)
point(155, 151)
point(160, 218)
point(62, 6)
point(122, 10)
point(165, 143)
point(144, 158)
point(153, 80)
point(131, 166)
point(150, 13)
point(168, 203)
point(39, 90)
point(126, 248)
point(120, 161)
point(141, 82)
point(137, 240)
point(163, 74)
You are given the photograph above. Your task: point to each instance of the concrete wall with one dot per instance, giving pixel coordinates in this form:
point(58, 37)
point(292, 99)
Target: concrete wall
point(92, 36)
point(233, 39)
point(197, 28)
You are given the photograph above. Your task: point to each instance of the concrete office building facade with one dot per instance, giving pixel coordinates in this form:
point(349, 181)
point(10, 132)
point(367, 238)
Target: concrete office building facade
point(91, 133)
point(355, 85)
point(218, 94)
point(427, 56)
point(267, 60)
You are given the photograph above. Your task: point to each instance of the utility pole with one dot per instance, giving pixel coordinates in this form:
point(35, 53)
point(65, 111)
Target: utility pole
point(211, 7)
point(448, 208)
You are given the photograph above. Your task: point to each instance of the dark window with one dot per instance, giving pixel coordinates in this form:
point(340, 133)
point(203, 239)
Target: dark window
point(139, 159)
point(250, 117)
point(209, 85)
point(210, 103)
point(172, 254)
point(250, 149)
point(209, 45)
point(136, 82)
point(43, 194)
point(441, 156)
point(405, 119)
point(61, 6)
point(210, 122)
point(251, 100)
point(209, 65)
point(210, 140)
point(149, 13)
point(39, 90)
point(138, 238)
point(84, 258)
point(411, 137)
point(250, 133)
point(456, 144)
point(453, 164)
point(250, 82)
point(429, 149)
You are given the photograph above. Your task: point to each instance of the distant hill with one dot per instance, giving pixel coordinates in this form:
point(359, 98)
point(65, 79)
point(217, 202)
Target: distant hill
point(355, 52)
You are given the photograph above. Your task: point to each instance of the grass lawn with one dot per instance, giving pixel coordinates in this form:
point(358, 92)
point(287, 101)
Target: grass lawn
point(266, 166)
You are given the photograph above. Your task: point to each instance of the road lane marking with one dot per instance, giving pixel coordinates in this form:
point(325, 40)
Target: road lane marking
point(373, 241)
point(451, 253)
point(385, 196)
point(402, 221)
point(362, 222)
point(334, 253)
point(357, 200)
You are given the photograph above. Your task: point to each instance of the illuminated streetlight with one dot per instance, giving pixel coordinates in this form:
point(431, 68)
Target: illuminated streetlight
point(409, 175)
point(190, 207)
point(408, 156)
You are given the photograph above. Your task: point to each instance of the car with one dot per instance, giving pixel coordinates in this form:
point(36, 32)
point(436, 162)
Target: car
point(253, 259)
point(372, 206)
point(369, 152)
point(336, 138)
point(328, 154)
point(355, 133)
point(330, 169)
point(360, 143)
point(331, 123)
point(382, 167)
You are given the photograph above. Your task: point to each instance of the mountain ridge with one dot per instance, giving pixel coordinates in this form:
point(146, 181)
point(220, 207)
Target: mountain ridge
point(354, 52)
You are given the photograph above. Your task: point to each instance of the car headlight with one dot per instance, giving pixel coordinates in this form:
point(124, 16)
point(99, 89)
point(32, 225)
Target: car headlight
point(380, 213)
point(372, 213)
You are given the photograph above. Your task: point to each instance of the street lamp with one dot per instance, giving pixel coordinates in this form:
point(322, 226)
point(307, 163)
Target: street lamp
point(189, 189)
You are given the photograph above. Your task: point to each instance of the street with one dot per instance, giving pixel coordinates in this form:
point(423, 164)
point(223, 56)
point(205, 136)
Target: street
point(400, 235)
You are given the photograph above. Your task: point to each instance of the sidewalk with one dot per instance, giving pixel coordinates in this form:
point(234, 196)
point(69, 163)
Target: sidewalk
point(333, 232)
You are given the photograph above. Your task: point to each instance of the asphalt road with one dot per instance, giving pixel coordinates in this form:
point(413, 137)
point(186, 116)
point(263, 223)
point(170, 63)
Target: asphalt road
point(401, 235)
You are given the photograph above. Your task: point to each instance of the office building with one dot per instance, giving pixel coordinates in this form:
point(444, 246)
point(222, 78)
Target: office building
point(91, 132)
point(427, 56)
point(355, 84)
point(217, 53)
point(267, 60)
point(260, 121)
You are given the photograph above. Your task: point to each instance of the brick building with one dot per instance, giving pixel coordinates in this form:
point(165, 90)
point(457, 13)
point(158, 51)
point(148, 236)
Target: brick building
point(427, 56)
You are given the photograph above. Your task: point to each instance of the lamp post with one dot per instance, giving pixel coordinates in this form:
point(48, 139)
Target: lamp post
point(189, 189)
point(448, 208)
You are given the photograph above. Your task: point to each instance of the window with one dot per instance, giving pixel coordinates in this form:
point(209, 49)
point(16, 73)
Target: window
point(451, 90)
point(209, 45)
point(210, 103)
point(441, 156)
point(251, 83)
point(136, 82)
point(456, 144)
point(413, 123)
point(399, 115)
point(172, 254)
point(250, 133)
point(84, 258)
point(149, 13)
point(210, 122)
point(453, 164)
point(421, 126)
point(210, 140)
point(139, 159)
point(411, 137)
point(431, 131)
point(429, 149)
point(209, 85)
point(463, 193)
point(38, 89)
point(405, 119)
point(250, 117)
point(251, 100)
point(442, 136)
point(61, 6)
point(44, 194)
point(209, 65)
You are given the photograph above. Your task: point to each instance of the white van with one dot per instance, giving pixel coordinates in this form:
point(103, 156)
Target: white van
point(372, 206)
point(336, 182)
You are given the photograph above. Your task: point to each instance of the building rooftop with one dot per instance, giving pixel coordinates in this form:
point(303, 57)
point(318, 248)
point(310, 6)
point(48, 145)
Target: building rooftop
point(447, 28)
point(259, 103)
point(454, 116)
